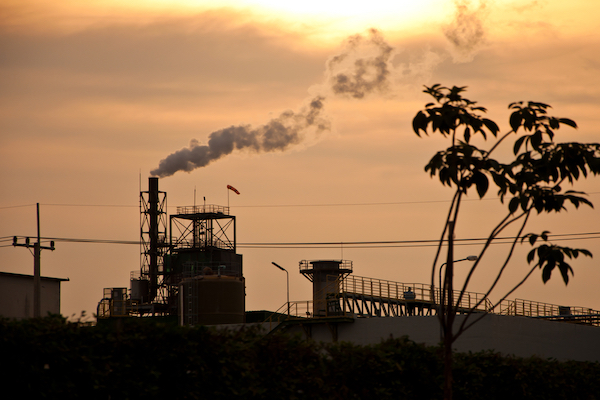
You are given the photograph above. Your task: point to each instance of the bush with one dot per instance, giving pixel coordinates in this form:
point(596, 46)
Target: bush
point(142, 358)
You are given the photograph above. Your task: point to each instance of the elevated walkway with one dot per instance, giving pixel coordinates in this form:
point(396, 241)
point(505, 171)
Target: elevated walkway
point(362, 297)
point(367, 297)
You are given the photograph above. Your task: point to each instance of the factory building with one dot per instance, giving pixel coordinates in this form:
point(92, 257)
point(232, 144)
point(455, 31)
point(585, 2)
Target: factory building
point(191, 273)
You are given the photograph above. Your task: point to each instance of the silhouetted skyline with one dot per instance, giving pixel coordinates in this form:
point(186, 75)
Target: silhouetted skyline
point(306, 111)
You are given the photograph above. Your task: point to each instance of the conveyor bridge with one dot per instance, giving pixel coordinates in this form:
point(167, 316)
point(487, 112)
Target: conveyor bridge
point(362, 297)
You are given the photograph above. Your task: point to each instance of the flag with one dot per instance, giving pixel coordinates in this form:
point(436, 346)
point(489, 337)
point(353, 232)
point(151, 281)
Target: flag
point(232, 188)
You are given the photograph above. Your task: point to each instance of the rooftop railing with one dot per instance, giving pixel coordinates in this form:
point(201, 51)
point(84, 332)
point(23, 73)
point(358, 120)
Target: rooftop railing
point(203, 209)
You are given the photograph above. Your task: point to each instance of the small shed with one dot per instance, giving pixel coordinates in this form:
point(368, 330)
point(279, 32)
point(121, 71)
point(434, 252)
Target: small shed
point(16, 295)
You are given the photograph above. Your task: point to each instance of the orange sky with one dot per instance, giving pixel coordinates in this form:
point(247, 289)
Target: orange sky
point(93, 95)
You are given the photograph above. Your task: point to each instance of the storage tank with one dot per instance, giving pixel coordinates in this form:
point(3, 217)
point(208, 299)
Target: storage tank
point(212, 300)
point(139, 289)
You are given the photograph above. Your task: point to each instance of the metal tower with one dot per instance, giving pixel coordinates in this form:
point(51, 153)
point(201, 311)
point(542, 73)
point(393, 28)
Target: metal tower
point(153, 206)
point(203, 237)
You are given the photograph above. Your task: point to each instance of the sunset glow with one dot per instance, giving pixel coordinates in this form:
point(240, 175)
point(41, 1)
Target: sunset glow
point(321, 20)
point(97, 94)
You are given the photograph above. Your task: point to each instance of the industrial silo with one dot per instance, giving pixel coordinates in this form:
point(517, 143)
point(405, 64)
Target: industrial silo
point(139, 288)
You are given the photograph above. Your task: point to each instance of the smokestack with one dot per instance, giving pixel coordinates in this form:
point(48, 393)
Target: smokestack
point(153, 216)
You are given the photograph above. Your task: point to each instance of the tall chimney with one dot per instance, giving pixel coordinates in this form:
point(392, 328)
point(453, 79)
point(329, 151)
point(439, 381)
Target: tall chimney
point(153, 216)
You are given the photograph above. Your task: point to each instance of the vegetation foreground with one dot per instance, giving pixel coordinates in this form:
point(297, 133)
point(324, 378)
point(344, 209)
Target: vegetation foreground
point(134, 359)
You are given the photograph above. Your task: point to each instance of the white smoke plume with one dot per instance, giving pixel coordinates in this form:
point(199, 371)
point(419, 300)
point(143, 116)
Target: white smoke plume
point(277, 135)
point(466, 32)
point(362, 68)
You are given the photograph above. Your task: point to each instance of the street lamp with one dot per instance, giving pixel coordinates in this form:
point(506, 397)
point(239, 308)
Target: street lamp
point(468, 258)
point(288, 285)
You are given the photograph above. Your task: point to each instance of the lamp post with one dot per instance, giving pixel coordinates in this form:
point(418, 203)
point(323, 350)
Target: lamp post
point(288, 285)
point(468, 258)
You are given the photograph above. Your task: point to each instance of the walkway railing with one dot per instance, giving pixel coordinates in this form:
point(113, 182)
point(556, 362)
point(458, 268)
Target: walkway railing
point(297, 309)
point(378, 288)
point(535, 309)
point(385, 291)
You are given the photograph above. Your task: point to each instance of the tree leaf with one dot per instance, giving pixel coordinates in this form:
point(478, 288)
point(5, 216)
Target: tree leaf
point(547, 270)
point(532, 239)
point(567, 121)
point(513, 205)
point(586, 252)
point(420, 123)
point(481, 183)
point(491, 125)
point(518, 144)
point(515, 120)
point(530, 256)
point(564, 271)
point(467, 134)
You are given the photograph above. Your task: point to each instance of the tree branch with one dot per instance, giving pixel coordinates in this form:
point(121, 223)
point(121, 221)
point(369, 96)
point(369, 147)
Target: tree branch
point(448, 288)
point(464, 327)
point(435, 261)
point(499, 275)
point(495, 232)
point(498, 143)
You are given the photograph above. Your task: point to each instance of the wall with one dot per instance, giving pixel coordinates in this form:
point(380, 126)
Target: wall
point(16, 295)
point(519, 336)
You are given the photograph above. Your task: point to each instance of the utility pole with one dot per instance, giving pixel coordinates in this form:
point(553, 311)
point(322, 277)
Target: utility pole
point(37, 253)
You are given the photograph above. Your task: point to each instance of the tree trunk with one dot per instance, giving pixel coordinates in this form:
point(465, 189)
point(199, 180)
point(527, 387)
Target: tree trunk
point(449, 313)
point(447, 367)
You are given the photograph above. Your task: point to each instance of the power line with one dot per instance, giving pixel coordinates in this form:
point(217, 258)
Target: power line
point(382, 246)
point(352, 245)
point(270, 205)
point(250, 206)
point(345, 204)
point(365, 204)
point(91, 205)
point(556, 236)
point(19, 206)
point(408, 243)
point(99, 241)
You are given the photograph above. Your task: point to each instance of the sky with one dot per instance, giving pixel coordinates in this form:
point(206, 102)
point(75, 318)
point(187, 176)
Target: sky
point(305, 108)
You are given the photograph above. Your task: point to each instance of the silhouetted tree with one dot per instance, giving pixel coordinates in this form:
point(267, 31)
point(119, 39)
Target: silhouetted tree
point(530, 183)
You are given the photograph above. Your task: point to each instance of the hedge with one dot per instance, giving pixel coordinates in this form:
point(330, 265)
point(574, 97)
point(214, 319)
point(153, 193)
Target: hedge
point(147, 359)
